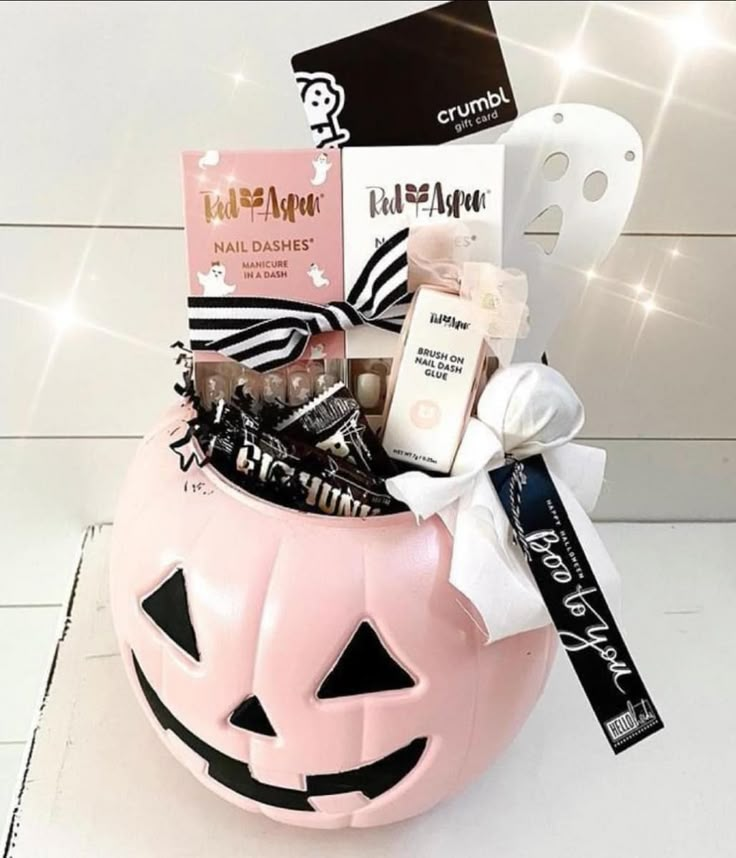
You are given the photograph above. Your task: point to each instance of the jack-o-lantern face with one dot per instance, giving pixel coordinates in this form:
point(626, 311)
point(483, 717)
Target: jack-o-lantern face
point(365, 667)
point(321, 671)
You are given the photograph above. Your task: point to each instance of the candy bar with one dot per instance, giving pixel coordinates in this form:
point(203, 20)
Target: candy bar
point(334, 422)
point(290, 472)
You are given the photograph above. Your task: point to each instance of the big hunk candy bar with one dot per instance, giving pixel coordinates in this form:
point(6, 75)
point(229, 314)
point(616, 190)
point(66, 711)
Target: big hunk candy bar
point(288, 471)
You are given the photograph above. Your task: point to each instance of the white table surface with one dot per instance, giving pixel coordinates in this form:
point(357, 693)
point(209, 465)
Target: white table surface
point(101, 784)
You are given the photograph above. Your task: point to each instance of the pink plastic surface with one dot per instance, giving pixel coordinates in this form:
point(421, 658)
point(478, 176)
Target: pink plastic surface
point(274, 597)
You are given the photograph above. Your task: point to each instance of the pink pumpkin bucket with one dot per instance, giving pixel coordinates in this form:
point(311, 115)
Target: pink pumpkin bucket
point(321, 671)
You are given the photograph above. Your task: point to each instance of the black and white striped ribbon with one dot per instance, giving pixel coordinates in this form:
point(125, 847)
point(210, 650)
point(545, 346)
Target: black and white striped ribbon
point(266, 333)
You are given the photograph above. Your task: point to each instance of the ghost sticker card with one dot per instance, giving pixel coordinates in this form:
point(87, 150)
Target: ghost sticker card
point(429, 78)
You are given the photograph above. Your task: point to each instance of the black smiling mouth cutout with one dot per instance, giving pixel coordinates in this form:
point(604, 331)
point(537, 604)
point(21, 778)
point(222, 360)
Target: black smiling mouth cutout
point(372, 779)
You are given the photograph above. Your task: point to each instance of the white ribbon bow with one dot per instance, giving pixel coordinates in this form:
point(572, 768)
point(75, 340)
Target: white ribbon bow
point(525, 409)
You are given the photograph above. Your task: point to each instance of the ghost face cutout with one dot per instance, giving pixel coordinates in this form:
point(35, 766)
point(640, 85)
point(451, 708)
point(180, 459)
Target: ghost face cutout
point(578, 165)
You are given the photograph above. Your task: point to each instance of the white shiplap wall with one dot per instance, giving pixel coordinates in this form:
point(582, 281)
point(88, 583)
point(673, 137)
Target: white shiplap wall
point(97, 101)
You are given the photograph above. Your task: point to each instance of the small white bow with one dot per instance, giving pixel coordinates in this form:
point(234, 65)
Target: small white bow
point(525, 409)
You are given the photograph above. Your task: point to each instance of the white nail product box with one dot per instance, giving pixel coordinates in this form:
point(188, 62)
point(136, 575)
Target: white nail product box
point(387, 188)
point(432, 389)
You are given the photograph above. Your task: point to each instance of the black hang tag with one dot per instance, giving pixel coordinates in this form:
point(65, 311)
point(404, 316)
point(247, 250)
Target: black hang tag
point(435, 76)
point(575, 602)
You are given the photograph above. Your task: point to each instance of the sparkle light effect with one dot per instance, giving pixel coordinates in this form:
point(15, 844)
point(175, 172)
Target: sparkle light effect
point(641, 295)
point(64, 316)
point(562, 58)
point(65, 322)
point(236, 73)
point(649, 305)
point(687, 34)
point(571, 61)
point(688, 31)
point(691, 32)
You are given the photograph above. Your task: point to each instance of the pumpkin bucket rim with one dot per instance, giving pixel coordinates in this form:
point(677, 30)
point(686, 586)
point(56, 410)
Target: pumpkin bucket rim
point(238, 493)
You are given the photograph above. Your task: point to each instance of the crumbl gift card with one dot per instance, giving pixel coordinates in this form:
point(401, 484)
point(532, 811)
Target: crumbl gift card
point(266, 225)
point(430, 78)
point(387, 189)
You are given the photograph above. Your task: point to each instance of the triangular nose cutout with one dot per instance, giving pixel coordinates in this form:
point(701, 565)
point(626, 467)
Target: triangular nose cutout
point(250, 715)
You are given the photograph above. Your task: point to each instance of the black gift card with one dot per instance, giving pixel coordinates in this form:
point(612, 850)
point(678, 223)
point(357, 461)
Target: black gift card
point(429, 78)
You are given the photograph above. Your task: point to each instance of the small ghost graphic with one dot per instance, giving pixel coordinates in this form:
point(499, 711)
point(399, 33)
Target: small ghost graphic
point(317, 276)
point(335, 444)
point(211, 158)
point(213, 282)
point(322, 167)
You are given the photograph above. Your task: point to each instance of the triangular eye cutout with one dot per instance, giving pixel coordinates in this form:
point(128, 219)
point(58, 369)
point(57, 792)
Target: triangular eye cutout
point(168, 607)
point(364, 667)
point(250, 715)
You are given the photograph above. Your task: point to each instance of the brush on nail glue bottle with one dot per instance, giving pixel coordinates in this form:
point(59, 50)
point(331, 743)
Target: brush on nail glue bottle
point(437, 371)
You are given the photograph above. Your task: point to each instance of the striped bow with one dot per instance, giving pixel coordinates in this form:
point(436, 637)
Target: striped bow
point(266, 333)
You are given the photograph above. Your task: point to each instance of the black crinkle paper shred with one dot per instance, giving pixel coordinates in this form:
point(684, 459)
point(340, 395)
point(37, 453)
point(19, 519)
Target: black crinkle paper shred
point(183, 447)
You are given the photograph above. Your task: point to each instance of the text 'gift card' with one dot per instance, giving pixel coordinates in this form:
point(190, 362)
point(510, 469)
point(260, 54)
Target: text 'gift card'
point(429, 78)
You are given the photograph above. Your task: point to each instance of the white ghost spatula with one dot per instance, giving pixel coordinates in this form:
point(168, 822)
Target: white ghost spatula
point(558, 159)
